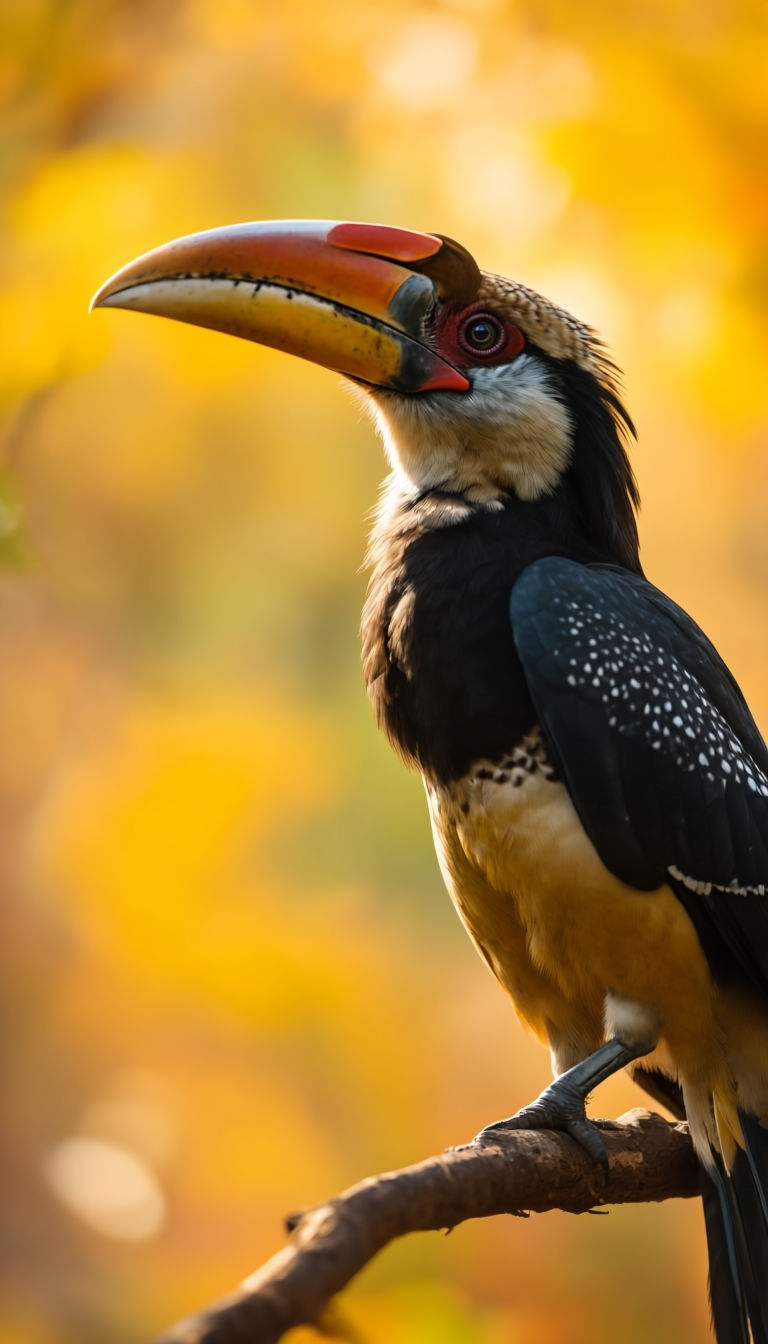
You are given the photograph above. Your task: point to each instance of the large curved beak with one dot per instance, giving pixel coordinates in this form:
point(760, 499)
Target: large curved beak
point(353, 297)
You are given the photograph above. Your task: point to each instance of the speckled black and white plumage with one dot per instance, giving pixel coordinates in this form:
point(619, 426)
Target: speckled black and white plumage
point(663, 760)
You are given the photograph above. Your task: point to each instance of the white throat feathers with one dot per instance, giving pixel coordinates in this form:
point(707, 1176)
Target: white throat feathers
point(510, 432)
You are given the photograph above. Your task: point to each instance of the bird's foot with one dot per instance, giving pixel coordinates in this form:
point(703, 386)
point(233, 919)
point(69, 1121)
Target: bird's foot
point(560, 1106)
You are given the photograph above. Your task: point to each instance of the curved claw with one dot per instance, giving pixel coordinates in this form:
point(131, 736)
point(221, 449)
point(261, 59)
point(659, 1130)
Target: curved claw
point(560, 1106)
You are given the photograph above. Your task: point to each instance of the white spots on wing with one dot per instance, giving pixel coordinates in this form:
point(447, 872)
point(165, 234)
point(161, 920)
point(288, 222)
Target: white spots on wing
point(706, 888)
point(652, 696)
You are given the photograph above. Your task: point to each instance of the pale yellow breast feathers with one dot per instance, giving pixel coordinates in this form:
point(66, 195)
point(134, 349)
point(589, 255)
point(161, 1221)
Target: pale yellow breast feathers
point(562, 934)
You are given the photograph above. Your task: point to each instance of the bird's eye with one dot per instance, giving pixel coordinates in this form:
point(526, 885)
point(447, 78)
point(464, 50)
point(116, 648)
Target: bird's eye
point(482, 334)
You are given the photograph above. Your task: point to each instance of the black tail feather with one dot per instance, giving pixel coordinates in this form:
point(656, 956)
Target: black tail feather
point(729, 1316)
point(736, 1219)
point(661, 1087)
point(756, 1144)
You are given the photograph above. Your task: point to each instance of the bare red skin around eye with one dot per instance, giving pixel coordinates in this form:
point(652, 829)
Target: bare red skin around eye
point(450, 345)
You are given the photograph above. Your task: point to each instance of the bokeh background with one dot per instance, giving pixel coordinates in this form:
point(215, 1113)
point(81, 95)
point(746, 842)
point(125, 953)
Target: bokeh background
point(232, 981)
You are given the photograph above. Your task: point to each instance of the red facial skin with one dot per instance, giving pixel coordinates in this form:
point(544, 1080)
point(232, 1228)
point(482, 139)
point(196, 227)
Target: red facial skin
point(461, 334)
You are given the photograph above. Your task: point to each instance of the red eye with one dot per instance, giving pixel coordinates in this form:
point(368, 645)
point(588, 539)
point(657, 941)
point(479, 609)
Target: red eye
point(484, 334)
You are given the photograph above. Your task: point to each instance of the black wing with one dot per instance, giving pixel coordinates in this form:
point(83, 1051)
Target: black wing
point(660, 754)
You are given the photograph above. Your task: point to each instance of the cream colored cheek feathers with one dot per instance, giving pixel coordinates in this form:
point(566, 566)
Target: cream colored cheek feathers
point(510, 432)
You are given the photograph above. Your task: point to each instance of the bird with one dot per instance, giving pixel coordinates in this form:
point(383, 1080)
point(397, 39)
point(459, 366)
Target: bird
point(596, 784)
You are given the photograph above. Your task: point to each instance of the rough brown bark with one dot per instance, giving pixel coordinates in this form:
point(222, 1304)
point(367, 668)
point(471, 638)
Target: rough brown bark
point(650, 1159)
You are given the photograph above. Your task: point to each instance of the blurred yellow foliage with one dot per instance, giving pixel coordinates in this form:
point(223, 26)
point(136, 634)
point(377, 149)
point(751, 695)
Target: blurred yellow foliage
point(170, 805)
point(234, 982)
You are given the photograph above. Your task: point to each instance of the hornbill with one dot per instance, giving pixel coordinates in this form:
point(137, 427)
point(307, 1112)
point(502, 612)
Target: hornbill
point(598, 789)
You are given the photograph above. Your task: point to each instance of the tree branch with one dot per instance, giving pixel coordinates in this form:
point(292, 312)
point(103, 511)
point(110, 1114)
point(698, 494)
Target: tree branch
point(650, 1159)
